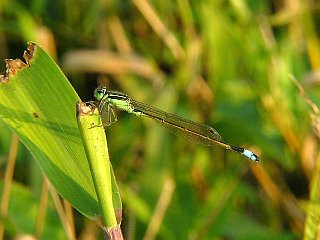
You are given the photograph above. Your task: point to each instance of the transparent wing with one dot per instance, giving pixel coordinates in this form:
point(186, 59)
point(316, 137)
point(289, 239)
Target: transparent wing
point(108, 115)
point(179, 126)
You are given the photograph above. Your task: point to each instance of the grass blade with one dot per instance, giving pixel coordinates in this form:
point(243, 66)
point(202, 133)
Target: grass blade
point(38, 103)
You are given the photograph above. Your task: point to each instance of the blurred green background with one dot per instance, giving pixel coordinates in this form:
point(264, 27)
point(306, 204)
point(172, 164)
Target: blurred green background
point(228, 64)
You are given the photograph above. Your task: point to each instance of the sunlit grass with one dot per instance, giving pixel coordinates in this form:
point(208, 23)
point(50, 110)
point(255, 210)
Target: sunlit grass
point(226, 64)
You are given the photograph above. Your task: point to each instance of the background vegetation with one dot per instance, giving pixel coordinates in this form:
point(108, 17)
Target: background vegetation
point(229, 64)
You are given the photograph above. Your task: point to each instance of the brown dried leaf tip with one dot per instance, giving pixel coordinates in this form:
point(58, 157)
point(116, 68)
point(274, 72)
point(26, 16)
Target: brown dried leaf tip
point(13, 66)
point(83, 108)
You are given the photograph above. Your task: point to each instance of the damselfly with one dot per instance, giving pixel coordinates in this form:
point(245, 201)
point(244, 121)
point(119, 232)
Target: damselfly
point(180, 126)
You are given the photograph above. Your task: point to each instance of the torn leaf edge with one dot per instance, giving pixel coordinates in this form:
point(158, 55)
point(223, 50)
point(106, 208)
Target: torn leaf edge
point(14, 65)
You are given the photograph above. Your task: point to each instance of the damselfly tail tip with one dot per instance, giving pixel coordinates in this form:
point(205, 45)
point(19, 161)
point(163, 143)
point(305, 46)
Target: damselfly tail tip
point(251, 155)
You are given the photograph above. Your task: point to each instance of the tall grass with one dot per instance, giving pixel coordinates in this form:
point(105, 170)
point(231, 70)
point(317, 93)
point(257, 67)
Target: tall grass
point(223, 63)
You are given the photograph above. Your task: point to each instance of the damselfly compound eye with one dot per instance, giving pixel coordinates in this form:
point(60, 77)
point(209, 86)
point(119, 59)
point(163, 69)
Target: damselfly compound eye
point(99, 93)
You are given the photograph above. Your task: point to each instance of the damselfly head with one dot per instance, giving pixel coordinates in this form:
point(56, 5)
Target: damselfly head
point(100, 92)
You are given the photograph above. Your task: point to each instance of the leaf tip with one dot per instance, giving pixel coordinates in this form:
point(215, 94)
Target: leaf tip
point(14, 65)
point(83, 109)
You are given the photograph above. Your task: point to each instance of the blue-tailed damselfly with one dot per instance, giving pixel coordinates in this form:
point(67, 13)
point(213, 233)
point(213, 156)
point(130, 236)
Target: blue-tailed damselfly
point(180, 126)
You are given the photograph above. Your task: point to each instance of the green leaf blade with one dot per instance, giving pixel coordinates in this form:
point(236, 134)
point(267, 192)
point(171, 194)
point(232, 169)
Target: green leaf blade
point(38, 104)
